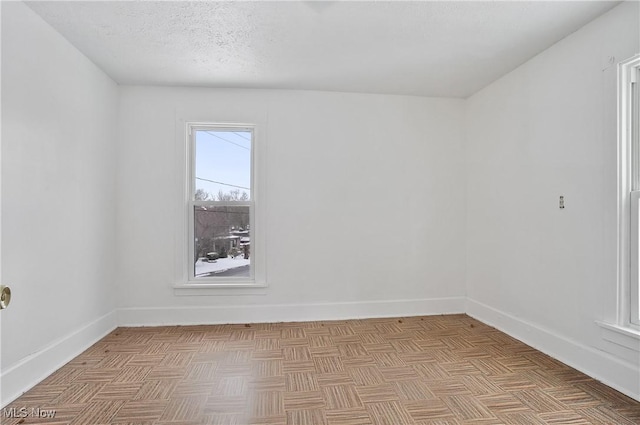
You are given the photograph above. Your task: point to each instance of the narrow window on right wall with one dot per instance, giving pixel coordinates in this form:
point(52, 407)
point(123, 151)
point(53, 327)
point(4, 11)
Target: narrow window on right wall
point(629, 133)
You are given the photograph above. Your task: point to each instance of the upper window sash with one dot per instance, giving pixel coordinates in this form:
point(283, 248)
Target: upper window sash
point(633, 122)
point(192, 128)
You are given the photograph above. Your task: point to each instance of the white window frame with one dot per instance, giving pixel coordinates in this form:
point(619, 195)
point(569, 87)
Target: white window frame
point(202, 285)
point(629, 190)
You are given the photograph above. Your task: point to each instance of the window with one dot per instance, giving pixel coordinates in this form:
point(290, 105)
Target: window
point(221, 204)
point(629, 133)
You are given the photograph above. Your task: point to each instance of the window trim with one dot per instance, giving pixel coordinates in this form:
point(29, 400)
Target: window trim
point(187, 284)
point(628, 198)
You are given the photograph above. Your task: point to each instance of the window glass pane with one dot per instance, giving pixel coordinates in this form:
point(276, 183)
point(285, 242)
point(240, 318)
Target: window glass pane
point(634, 127)
point(635, 198)
point(222, 241)
point(635, 134)
point(634, 287)
point(222, 165)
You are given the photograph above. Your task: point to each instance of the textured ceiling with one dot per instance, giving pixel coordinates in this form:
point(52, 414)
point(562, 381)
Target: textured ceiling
point(449, 49)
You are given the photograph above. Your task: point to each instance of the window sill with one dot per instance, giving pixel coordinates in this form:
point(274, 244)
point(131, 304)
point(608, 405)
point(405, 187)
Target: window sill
point(621, 335)
point(222, 288)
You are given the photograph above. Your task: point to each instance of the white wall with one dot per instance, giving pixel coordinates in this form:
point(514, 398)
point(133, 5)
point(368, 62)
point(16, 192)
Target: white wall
point(58, 199)
point(365, 204)
point(547, 129)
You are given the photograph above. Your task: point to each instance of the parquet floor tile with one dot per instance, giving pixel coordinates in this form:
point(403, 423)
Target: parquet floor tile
point(434, 370)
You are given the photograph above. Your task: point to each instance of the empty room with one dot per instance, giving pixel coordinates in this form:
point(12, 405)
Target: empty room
point(320, 213)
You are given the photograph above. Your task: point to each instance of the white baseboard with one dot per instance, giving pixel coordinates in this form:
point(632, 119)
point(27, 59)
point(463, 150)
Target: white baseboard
point(287, 312)
point(31, 370)
point(618, 374)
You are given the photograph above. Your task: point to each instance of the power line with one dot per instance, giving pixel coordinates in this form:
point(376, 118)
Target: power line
point(225, 184)
point(240, 135)
point(228, 141)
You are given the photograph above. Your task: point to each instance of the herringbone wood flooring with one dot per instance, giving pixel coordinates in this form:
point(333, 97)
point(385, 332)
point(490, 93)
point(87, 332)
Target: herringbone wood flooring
point(436, 370)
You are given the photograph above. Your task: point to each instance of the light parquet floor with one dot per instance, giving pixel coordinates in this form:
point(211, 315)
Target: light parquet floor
point(434, 370)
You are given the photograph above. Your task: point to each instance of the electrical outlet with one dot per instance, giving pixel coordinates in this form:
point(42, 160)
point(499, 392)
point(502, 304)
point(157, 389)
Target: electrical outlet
point(561, 203)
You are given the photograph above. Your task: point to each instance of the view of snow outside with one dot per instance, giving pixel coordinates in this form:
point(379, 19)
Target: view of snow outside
point(217, 267)
point(222, 173)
